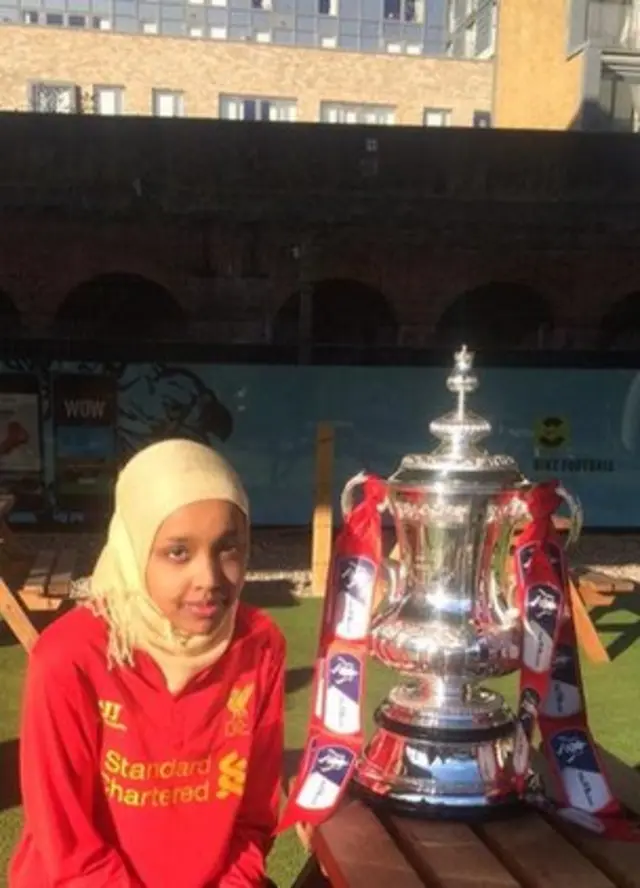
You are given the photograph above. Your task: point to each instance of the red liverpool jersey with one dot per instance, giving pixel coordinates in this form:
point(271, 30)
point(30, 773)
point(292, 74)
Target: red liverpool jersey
point(126, 785)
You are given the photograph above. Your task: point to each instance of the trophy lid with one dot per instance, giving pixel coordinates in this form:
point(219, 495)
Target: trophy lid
point(459, 432)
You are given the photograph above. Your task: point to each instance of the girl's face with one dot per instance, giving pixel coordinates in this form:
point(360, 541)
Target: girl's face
point(197, 565)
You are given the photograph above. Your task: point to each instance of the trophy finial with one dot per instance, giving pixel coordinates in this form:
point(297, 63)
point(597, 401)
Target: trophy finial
point(459, 431)
point(462, 380)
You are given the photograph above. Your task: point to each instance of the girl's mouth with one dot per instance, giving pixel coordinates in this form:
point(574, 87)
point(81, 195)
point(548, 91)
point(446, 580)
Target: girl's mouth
point(203, 609)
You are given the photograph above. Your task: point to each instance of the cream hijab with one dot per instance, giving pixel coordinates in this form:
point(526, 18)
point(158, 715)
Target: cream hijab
point(155, 483)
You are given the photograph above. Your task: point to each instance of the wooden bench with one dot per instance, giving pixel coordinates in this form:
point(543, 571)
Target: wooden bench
point(592, 589)
point(358, 848)
point(48, 581)
point(39, 582)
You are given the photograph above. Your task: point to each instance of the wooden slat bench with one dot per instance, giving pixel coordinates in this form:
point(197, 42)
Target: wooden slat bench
point(48, 581)
point(358, 848)
point(28, 582)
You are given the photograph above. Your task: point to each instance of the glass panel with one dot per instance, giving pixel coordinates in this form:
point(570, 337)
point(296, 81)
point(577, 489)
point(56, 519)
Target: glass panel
point(174, 29)
point(349, 27)
point(126, 23)
point(172, 13)
point(346, 41)
point(283, 37)
point(53, 99)
point(107, 100)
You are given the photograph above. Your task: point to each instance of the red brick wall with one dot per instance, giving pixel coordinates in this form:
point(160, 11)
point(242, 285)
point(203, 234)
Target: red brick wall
point(40, 262)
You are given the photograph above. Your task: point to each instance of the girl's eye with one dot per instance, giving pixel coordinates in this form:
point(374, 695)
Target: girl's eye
point(178, 553)
point(230, 547)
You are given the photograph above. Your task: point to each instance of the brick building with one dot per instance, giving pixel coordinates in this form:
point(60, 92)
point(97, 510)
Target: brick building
point(568, 64)
point(333, 61)
point(241, 235)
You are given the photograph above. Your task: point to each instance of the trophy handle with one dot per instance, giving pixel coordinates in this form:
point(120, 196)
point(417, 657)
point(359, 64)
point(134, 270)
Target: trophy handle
point(347, 497)
point(396, 574)
point(576, 514)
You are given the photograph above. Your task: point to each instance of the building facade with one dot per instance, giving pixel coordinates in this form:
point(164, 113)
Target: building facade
point(332, 61)
point(577, 66)
point(233, 235)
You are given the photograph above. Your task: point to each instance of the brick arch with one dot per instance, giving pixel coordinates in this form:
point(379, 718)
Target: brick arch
point(91, 265)
point(120, 305)
point(495, 315)
point(343, 312)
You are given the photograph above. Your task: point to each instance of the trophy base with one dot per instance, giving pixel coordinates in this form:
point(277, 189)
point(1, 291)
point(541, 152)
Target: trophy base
point(460, 768)
point(428, 808)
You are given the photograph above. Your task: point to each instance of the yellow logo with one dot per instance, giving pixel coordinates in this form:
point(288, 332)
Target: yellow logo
point(238, 706)
point(232, 776)
point(552, 432)
point(111, 712)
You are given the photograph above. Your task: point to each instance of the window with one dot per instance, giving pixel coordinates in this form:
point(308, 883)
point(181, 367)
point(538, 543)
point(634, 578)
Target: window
point(55, 98)
point(77, 21)
point(261, 4)
point(404, 11)
point(219, 33)
point(167, 103)
point(250, 108)
point(30, 17)
point(108, 100)
point(196, 31)
point(263, 36)
point(101, 24)
point(149, 27)
point(54, 18)
point(436, 117)
point(329, 42)
point(328, 7)
point(337, 112)
point(482, 119)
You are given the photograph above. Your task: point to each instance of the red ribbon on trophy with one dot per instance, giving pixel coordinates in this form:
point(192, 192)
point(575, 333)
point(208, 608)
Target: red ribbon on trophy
point(336, 736)
point(551, 688)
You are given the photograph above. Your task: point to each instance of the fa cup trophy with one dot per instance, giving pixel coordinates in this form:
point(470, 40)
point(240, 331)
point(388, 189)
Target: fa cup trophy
point(449, 620)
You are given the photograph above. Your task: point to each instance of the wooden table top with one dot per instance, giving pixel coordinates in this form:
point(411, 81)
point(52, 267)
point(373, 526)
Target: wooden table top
point(358, 848)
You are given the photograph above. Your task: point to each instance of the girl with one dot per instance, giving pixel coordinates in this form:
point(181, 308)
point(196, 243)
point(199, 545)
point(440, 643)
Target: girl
point(152, 728)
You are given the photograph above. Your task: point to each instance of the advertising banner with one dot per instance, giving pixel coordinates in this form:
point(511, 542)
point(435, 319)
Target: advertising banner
point(84, 435)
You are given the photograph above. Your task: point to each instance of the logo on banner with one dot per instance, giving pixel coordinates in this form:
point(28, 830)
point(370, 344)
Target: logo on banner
point(525, 556)
point(344, 694)
point(542, 612)
point(329, 772)
point(356, 577)
point(564, 698)
point(584, 784)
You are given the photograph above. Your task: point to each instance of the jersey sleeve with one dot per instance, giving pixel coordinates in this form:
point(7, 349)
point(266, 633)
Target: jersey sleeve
point(258, 815)
point(60, 778)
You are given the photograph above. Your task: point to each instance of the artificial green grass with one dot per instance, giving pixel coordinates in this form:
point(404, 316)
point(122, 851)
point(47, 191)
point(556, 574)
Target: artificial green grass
point(611, 690)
